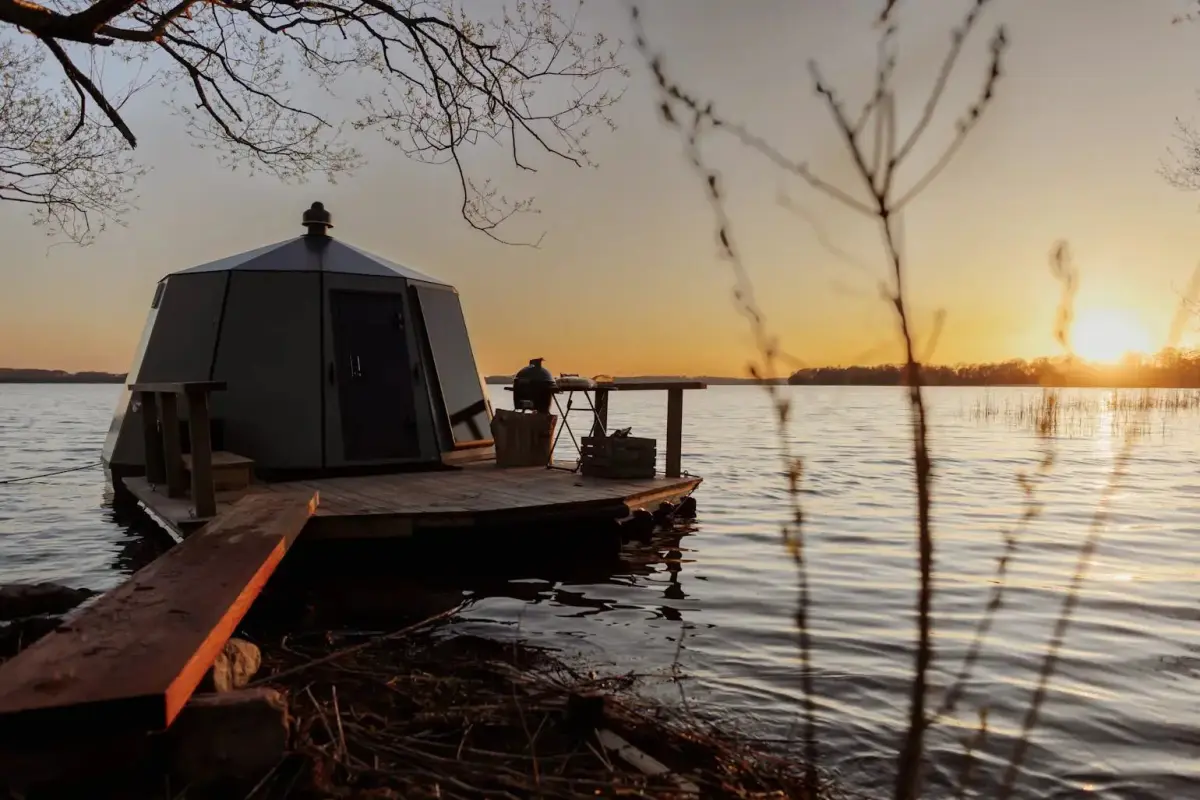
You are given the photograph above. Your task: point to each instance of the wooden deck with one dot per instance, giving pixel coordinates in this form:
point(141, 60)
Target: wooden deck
point(477, 496)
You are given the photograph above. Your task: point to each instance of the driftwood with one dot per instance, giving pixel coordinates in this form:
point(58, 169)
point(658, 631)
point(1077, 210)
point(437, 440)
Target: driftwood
point(422, 715)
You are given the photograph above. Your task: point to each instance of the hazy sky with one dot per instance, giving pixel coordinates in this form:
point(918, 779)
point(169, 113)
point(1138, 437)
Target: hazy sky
point(628, 281)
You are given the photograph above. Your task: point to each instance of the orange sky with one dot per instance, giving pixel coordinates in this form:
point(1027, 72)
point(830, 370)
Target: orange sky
point(627, 280)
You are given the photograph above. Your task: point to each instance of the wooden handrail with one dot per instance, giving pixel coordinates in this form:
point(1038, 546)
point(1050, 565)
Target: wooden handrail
point(675, 390)
point(178, 387)
point(204, 491)
point(651, 386)
point(160, 429)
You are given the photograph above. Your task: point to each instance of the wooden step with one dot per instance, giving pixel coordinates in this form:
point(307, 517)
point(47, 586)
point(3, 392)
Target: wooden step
point(230, 471)
point(130, 661)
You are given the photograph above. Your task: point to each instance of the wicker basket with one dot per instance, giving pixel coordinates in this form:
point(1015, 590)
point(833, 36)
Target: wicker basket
point(618, 456)
point(522, 440)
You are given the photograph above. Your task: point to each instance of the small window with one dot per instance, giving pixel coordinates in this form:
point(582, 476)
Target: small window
point(158, 293)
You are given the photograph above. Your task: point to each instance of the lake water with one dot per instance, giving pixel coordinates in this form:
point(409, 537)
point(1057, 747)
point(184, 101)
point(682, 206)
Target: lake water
point(1120, 720)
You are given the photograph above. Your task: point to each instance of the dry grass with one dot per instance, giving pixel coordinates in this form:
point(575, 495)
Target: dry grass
point(431, 716)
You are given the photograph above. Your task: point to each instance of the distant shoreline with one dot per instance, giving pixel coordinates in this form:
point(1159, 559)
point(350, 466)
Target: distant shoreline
point(9, 375)
point(495, 381)
point(976, 377)
point(505, 380)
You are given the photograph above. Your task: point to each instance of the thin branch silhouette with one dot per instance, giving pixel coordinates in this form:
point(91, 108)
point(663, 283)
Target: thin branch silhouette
point(876, 164)
point(691, 120)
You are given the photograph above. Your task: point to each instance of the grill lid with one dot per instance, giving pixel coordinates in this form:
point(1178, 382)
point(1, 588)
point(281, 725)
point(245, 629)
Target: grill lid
point(534, 375)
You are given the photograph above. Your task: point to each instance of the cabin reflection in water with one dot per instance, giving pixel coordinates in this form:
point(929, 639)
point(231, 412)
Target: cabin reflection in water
point(376, 585)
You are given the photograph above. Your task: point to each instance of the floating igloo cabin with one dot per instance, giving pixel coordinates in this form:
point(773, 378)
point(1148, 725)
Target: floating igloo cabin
point(333, 359)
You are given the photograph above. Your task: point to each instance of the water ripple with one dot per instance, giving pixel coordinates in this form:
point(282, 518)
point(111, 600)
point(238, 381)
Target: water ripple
point(1119, 721)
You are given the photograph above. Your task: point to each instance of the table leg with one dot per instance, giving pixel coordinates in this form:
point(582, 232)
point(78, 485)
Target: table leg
point(600, 425)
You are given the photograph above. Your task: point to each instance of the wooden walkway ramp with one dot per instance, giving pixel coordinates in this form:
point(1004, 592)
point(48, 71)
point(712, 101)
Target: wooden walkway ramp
point(479, 495)
point(130, 661)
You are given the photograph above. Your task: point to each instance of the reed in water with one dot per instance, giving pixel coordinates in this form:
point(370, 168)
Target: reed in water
point(877, 148)
point(1061, 413)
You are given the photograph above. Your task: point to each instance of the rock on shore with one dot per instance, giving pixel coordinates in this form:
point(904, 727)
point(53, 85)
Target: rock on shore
point(20, 600)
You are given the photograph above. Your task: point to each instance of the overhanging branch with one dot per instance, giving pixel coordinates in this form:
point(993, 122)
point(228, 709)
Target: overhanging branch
point(437, 80)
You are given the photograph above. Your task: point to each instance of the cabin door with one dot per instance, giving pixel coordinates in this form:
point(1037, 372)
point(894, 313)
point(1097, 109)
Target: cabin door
point(374, 376)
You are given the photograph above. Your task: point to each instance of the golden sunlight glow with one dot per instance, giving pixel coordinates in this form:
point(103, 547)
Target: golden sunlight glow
point(1106, 334)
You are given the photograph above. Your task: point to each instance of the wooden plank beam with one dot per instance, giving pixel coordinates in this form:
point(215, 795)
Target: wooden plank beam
point(172, 452)
point(469, 456)
point(179, 387)
point(651, 386)
point(204, 491)
point(674, 432)
point(130, 661)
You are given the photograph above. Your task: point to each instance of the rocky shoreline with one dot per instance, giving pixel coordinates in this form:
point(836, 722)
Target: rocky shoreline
point(28, 611)
point(420, 712)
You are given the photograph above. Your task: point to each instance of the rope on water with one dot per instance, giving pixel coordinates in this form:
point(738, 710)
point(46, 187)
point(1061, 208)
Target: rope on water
point(22, 479)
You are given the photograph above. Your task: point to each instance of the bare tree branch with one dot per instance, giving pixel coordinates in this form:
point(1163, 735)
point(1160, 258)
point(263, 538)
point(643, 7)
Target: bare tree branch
point(433, 79)
point(72, 168)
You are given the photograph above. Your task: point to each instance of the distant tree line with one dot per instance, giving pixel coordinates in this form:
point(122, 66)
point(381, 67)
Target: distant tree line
point(1170, 367)
point(10, 375)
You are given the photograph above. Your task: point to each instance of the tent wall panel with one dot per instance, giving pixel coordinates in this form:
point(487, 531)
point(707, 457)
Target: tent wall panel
point(185, 330)
point(129, 449)
point(177, 344)
point(464, 398)
point(269, 356)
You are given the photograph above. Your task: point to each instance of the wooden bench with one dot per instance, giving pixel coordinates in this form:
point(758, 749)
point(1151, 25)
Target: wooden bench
point(230, 472)
point(129, 662)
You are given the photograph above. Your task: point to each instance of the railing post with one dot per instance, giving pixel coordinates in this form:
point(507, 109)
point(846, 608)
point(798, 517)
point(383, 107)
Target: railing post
point(674, 433)
point(204, 495)
point(152, 441)
point(168, 404)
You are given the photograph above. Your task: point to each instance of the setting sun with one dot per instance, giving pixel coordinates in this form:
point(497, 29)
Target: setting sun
point(1107, 334)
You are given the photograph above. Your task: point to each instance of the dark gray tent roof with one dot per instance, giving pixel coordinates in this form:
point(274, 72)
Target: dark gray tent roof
point(299, 255)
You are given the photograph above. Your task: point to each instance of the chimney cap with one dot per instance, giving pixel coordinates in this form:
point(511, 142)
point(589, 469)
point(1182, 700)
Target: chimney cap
point(317, 220)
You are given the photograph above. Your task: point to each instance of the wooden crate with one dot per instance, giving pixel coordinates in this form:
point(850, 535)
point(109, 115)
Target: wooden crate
point(522, 440)
point(619, 456)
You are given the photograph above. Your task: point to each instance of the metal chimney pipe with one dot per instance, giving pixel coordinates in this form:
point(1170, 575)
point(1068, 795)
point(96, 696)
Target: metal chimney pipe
point(317, 220)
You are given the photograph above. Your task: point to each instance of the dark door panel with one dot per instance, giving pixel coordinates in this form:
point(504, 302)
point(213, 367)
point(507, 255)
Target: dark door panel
point(373, 374)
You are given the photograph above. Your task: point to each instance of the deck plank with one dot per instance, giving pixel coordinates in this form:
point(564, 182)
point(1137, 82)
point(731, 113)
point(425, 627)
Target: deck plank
point(176, 511)
point(483, 489)
point(471, 495)
point(130, 661)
